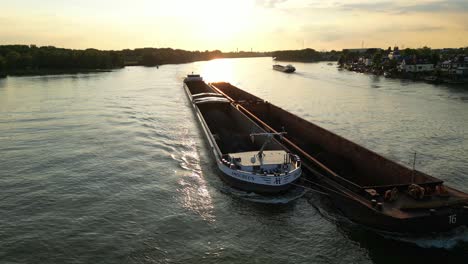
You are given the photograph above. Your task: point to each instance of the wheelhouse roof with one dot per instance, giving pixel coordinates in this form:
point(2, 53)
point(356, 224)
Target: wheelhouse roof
point(270, 157)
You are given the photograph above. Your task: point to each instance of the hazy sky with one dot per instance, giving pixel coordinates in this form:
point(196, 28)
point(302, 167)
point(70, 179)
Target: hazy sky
point(228, 24)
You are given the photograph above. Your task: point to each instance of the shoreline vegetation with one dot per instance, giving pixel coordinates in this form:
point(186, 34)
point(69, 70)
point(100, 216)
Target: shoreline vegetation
point(25, 60)
point(423, 64)
point(306, 55)
point(21, 60)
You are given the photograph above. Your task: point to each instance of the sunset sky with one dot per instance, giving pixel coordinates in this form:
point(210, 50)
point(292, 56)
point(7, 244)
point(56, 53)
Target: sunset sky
point(261, 25)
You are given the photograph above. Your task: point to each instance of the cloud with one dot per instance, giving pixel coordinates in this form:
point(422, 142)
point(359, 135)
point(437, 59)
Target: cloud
point(439, 6)
point(395, 7)
point(268, 3)
point(373, 7)
point(414, 28)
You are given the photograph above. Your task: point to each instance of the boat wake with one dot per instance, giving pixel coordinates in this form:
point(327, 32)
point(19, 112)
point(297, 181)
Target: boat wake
point(447, 240)
point(326, 210)
point(293, 194)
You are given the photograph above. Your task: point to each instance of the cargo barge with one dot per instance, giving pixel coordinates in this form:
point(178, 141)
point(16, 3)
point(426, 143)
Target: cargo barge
point(287, 69)
point(249, 158)
point(366, 187)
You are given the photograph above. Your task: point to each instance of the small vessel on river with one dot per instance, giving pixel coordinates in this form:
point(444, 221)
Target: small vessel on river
point(288, 68)
point(249, 158)
point(366, 187)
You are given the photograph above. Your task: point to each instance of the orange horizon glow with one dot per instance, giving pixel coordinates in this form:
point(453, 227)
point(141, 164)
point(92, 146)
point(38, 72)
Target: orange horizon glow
point(258, 25)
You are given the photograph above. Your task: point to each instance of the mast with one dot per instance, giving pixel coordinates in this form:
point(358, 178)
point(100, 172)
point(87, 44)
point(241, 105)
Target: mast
point(267, 141)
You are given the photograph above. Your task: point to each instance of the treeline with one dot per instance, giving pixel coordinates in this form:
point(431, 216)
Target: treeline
point(155, 56)
point(30, 59)
point(23, 58)
point(306, 55)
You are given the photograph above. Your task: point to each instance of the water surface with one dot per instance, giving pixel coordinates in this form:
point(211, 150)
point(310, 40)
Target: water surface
point(113, 168)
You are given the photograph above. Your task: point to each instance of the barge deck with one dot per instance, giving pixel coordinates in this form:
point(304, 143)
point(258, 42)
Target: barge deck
point(249, 158)
point(367, 187)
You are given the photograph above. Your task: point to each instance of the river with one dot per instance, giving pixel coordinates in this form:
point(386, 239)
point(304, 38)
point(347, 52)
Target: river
point(113, 168)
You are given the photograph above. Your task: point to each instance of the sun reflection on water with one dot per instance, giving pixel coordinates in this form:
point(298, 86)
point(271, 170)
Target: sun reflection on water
point(217, 70)
point(193, 187)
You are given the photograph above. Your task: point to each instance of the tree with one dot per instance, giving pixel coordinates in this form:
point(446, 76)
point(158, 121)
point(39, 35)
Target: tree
point(342, 60)
point(2, 67)
point(12, 59)
point(425, 52)
point(2, 64)
point(377, 59)
point(435, 58)
point(149, 59)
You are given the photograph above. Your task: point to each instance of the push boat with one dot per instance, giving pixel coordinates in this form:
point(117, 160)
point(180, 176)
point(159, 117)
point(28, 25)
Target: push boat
point(249, 158)
point(288, 68)
point(366, 187)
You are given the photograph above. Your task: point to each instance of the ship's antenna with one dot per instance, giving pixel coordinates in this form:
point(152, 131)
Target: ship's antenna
point(267, 141)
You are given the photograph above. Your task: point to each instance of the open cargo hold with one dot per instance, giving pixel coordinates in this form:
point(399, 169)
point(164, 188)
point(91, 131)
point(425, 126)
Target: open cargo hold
point(364, 179)
point(249, 158)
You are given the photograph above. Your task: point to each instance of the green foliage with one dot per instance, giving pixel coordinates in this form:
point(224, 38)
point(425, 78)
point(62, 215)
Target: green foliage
point(342, 60)
point(306, 55)
point(12, 58)
point(23, 57)
point(2, 64)
point(377, 59)
point(154, 56)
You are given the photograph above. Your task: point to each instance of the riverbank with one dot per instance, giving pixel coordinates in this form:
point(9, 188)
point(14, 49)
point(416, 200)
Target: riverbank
point(428, 77)
point(305, 55)
point(33, 72)
point(424, 64)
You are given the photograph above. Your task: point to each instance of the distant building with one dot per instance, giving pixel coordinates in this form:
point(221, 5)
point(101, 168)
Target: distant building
point(364, 50)
point(462, 71)
point(408, 66)
point(458, 66)
point(394, 55)
point(368, 62)
point(365, 61)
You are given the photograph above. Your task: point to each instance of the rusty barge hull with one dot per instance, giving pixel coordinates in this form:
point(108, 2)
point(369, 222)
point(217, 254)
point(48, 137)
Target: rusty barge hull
point(355, 177)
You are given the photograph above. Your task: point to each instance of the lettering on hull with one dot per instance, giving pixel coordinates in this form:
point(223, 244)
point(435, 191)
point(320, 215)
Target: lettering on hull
point(257, 179)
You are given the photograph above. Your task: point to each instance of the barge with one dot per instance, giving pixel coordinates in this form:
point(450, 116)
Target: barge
point(287, 69)
point(366, 187)
point(249, 158)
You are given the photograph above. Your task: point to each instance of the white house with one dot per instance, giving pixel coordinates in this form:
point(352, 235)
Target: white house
point(462, 71)
point(394, 55)
point(367, 62)
point(456, 66)
point(415, 67)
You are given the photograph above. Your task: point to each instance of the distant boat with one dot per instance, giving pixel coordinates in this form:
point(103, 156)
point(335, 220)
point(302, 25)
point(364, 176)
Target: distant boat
point(288, 68)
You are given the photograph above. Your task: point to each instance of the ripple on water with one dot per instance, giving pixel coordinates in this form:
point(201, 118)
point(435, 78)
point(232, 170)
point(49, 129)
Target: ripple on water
point(111, 168)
